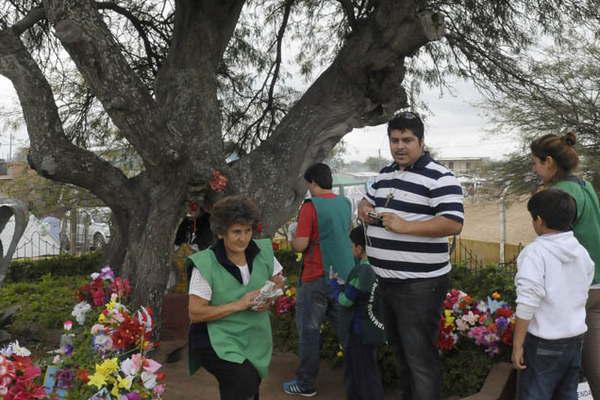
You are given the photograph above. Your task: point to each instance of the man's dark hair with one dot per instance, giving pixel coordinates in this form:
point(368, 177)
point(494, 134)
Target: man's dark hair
point(407, 120)
point(357, 236)
point(233, 210)
point(555, 207)
point(320, 174)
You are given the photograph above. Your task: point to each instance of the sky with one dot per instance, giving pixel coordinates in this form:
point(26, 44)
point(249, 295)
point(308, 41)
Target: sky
point(455, 128)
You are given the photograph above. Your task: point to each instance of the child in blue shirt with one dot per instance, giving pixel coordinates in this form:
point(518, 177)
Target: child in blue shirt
point(363, 329)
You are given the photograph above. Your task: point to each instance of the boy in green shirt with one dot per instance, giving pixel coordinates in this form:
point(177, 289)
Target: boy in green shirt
point(363, 330)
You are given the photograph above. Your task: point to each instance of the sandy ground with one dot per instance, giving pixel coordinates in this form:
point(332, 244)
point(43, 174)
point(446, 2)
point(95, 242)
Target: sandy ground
point(482, 221)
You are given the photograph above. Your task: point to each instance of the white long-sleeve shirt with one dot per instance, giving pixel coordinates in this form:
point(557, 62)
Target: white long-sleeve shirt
point(553, 278)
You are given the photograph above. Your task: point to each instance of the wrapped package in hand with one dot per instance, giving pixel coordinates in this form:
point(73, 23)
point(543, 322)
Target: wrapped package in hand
point(268, 292)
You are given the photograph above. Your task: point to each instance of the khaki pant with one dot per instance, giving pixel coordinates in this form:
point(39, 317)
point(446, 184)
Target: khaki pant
point(591, 344)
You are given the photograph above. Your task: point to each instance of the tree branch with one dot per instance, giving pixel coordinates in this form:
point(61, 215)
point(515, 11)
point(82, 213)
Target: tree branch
point(363, 86)
point(51, 154)
point(139, 27)
point(348, 8)
point(33, 17)
point(97, 55)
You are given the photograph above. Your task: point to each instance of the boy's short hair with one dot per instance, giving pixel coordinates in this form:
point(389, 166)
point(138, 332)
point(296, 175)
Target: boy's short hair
point(320, 174)
point(357, 236)
point(555, 207)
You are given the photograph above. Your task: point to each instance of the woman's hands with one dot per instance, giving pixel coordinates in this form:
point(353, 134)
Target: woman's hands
point(247, 300)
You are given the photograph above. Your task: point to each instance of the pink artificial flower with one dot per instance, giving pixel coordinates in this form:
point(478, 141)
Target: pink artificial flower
point(68, 325)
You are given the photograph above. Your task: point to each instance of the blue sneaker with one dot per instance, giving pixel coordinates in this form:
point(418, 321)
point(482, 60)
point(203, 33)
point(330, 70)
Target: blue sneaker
point(293, 387)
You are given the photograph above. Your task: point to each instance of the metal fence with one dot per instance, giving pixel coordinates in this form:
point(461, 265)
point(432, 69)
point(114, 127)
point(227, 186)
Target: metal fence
point(477, 254)
point(36, 246)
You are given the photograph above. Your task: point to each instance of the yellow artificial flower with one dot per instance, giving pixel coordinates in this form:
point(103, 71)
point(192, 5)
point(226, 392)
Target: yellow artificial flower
point(98, 379)
point(101, 318)
point(111, 305)
point(449, 319)
point(108, 366)
point(496, 296)
point(125, 383)
point(298, 257)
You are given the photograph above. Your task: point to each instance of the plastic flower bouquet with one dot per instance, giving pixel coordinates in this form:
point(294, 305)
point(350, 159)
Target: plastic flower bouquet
point(104, 283)
point(106, 355)
point(19, 377)
point(136, 377)
point(488, 323)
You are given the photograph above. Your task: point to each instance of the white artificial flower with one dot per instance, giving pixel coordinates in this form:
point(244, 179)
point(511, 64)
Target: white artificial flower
point(149, 379)
point(79, 312)
point(15, 349)
point(129, 367)
point(94, 276)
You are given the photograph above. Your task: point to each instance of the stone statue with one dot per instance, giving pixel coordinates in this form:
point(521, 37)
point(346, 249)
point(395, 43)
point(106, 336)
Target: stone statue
point(8, 208)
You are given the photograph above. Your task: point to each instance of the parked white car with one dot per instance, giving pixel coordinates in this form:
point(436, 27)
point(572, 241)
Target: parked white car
point(93, 228)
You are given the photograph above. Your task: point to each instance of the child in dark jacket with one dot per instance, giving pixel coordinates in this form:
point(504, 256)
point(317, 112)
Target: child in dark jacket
point(363, 331)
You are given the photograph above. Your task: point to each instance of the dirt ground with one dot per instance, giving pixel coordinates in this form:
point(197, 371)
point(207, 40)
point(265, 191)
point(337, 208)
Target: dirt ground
point(482, 221)
point(203, 386)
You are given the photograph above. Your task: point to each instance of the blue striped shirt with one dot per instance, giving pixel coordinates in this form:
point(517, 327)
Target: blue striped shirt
point(417, 193)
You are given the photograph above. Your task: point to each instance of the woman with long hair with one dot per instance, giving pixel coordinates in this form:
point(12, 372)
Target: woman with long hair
point(554, 161)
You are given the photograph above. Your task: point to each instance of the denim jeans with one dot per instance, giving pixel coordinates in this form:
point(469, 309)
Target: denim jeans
point(361, 372)
point(412, 311)
point(553, 368)
point(313, 306)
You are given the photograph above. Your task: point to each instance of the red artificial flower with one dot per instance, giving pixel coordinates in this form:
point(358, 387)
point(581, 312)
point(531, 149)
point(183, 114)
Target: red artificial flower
point(284, 304)
point(160, 376)
point(507, 336)
point(129, 333)
point(83, 375)
point(504, 312)
point(218, 182)
point(275, 246)
point(120, 287)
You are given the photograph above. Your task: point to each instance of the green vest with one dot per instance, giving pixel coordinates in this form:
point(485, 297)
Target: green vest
point(587, 224)
point(244, 335)
point(334, 216)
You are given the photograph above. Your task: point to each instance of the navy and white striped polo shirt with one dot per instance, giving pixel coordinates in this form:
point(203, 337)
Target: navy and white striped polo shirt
point(417, 193)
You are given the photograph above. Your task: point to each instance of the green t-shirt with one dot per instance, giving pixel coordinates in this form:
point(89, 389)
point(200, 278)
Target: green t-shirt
point(587, 224)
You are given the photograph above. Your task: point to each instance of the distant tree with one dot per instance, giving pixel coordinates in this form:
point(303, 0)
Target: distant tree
point(562, 93)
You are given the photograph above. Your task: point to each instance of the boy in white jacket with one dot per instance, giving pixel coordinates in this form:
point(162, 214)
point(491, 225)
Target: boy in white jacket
point(553, 278)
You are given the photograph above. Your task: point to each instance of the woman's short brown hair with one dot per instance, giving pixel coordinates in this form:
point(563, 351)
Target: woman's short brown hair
point(560, 148)
point(233, 210)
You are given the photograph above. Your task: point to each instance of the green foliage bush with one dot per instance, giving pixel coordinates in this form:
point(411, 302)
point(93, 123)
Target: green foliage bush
point(465, 368)
point(482, 282)
point(45, 305)
point(63, 265)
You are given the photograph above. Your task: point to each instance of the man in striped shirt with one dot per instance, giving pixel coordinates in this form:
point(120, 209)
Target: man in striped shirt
point(412, 207)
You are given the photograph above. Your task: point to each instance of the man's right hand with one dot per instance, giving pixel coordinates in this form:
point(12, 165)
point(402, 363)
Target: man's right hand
point(364, 207)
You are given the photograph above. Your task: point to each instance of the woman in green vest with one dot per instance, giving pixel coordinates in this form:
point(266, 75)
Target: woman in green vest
point(554, 160)
point(230, 332)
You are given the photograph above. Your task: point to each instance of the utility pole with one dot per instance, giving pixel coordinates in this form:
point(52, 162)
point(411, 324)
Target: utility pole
point(503, 224)
point(10, 145)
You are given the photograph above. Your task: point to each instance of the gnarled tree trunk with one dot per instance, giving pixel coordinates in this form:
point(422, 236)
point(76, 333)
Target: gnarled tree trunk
point(178, 132)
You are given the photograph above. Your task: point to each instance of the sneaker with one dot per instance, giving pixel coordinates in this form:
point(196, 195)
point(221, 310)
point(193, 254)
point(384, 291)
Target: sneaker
point(293, 387)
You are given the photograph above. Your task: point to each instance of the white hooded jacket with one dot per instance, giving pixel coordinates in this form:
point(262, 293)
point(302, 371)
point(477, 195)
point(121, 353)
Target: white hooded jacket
point(553, 278)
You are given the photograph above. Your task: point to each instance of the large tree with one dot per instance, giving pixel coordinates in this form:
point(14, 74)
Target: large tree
point(176, 79)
